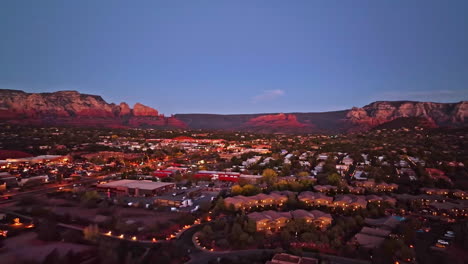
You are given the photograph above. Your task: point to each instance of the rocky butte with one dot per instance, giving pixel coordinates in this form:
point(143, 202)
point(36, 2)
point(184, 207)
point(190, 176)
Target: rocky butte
point(71, 108)
point(76, 109)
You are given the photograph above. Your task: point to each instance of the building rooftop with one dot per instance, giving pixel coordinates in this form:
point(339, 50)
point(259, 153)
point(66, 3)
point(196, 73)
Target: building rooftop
point(136, 184)
point(368, 241)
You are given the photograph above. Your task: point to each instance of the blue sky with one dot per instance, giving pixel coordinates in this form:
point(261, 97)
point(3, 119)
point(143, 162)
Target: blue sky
point(238, 56)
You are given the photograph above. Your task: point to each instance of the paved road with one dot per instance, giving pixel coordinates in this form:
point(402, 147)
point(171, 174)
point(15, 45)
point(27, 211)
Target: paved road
point(198, 256)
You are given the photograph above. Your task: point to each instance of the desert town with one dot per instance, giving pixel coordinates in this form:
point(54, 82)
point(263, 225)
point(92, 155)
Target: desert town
point(359, 196)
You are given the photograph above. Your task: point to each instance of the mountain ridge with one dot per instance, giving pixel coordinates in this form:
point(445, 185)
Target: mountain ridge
point(76, 109)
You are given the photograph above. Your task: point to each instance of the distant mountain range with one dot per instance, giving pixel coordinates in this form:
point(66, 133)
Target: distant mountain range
point(71, 108)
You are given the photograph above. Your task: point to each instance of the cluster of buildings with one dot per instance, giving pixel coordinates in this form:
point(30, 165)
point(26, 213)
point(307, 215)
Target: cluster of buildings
point(136, 188)
point(247, 202)
point(274, 221)
point(360, 187)
point(456, 193)
point(309, 198)
point(437, 205)
point(449, 209)
point(32, 171)
point(371, 185)
point(344, 200)
point(376, 231)
point(159, 193)
point(226, 176)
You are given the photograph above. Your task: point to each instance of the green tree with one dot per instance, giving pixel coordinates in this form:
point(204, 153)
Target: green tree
point(334, 179)
point(269, 176)
point(236, 190)
point(250, 189)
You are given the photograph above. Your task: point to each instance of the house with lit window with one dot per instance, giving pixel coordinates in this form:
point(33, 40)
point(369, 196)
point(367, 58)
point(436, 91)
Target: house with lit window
point(356, 190)
point(371, 185)
point(270, 220)
point(274, 221)
point(460, 194)
point(435, 191)
point(325, 188)
point(380, 199)
point(315, 198)
point(349, 201)
point(247, 202)
point(318, 218)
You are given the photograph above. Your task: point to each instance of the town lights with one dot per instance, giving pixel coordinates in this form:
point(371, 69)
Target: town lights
point(121, 236)
point(134, 238)
point(153, 240)
point(17, 222)
point(109, 233)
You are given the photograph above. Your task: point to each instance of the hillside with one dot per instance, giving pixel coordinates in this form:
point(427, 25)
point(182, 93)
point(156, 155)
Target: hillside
point(76, 109)
point(71, 108)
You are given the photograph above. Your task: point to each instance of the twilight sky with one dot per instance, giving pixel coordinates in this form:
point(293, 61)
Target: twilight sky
point(242, 56)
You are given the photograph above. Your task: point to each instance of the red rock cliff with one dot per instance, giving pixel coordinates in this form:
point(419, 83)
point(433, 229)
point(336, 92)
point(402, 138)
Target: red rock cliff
point(74, 108)
point(381, 112)
point(143, 110)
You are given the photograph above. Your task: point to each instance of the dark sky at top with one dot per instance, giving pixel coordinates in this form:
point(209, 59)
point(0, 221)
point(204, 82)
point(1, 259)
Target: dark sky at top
point(238, 56)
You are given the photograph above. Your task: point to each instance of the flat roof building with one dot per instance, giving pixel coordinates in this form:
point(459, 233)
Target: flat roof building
point(137, 188)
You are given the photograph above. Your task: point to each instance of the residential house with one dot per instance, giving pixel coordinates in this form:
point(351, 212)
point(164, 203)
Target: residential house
point(342, 168)
point(274, 221)
point(319, 218)
point(371, 237)
point(315, 199)
point(347, 161)
point(325, 188)
point(435, 191)
point(349, 201)
point(371, 185)
point(459, 209)
point(356, 190)
point(407, 172)
point(460, 194)
point(246, 202)
point(270, 220)
point(388, 222)
point(381, 199)
point(437, 174)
